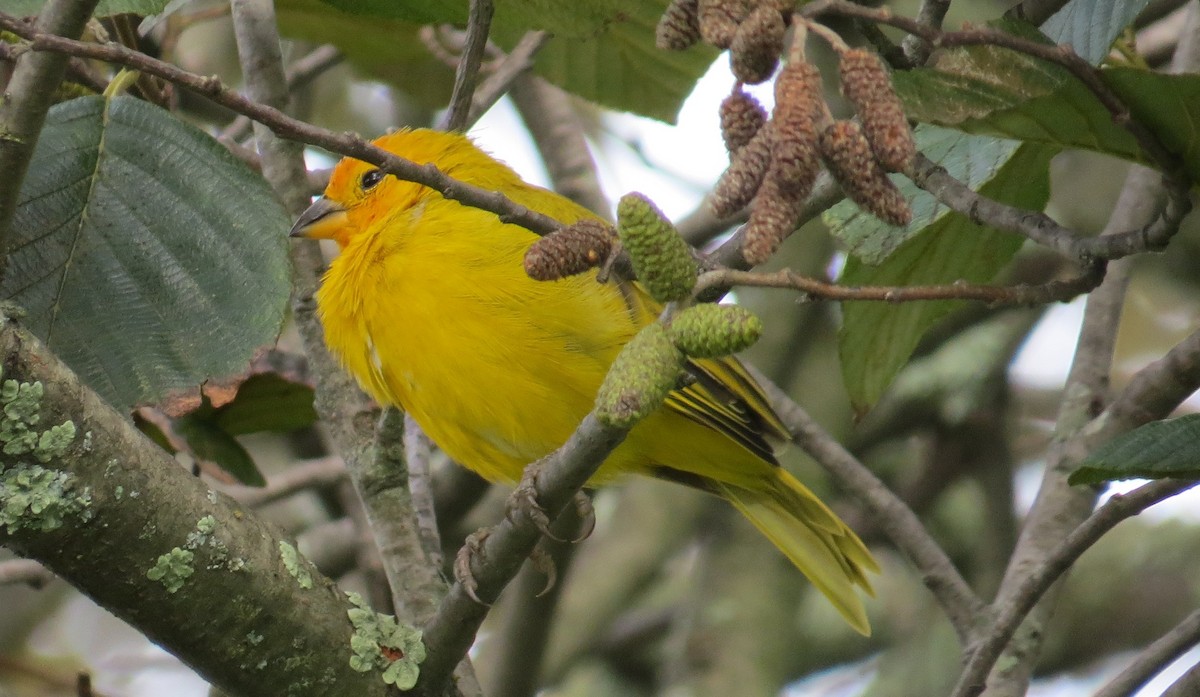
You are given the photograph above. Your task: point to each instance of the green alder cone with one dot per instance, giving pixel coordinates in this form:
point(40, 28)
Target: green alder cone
point(661, 259)
point(712, 331)
point(640, 379)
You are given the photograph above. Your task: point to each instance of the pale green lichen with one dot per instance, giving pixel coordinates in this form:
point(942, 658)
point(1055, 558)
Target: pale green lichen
point(296, 565)
point(172, 569)
point(54, 441)
point(254, 638)
point(381, 643)
point(35, 498)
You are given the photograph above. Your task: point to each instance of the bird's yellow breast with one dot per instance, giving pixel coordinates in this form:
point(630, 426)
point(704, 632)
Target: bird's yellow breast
point(436, 314)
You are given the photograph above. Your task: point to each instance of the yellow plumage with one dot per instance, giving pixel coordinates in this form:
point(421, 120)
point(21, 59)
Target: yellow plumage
point(428, 305)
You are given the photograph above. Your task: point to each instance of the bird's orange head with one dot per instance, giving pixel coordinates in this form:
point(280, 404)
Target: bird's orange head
point(360, 195)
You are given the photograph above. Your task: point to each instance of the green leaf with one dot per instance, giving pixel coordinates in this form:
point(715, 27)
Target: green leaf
point(1157, 450)
point(267, 402)
point(876, 339)
point(988, 90)
point(1091, 26)
point(28, 8)
point(209, 443)
point(384, 48)
point(148, 257)
point(602, 50)
point(1169, 105)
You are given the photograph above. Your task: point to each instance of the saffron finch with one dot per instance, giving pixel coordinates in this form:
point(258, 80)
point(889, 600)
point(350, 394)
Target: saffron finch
point(429, 306)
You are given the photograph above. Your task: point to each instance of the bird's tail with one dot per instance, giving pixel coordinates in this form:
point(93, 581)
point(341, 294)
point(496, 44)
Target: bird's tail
point(824, 548)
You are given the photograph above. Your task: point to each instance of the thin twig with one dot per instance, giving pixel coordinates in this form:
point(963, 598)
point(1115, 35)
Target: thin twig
point(964, 609)
point(1041, 228)
point(1040, 294)
point(479, 22)
point(1154, 658)
point(1034, 585)
point(313, 474)
point(346, 144)
point(506, 71)
point(299, 75)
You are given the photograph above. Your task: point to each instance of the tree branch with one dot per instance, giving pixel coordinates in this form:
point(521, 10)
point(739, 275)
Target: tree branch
point(346, 144)
point(1154, 658)
point(964, 609)
point(1025, 294)
point(451, 632)
point(479, 21)
point(27, 97)
point(119, 519)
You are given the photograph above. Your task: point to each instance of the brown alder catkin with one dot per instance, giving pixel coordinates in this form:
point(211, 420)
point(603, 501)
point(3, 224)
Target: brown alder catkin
point(679, 26)
point(572, 250)
point(848, 156)
point(867, 85)
point(741, 118)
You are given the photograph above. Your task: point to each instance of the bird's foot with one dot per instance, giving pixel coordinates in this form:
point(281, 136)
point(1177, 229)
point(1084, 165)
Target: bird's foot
point(472, 546)
point(523, 501)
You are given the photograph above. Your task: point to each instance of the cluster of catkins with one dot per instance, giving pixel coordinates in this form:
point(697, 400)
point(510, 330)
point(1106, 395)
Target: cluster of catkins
point(774, 160)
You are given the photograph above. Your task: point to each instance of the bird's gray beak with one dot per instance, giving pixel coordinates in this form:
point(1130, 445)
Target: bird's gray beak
point(321, 221)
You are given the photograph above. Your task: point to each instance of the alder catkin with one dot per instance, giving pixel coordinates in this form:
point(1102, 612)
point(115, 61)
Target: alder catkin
point(773, 217)
point(712, 331)
point(741, 118)
point(641, 377)
point(662, 261)
point(572, 250)
point(679, 26)
point(719, 20)
point(867, 85)
point(848, 156)
point(741, 180)
point(754, 51)
point(799, 105)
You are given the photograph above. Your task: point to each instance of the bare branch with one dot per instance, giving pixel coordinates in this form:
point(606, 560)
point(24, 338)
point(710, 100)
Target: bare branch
point(512, 66)
point(450, 633)
point(346, 144)
point(1016, 605)
point(964, 609)
point(299, 75)
point(479, 21)
point(1154, 658)
point(1052, 291)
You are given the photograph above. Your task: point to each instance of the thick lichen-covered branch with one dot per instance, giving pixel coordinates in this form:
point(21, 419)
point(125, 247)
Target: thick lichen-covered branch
point(86, 494)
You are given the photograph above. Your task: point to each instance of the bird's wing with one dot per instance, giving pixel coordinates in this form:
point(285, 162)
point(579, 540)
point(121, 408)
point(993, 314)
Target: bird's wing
point(720, 394)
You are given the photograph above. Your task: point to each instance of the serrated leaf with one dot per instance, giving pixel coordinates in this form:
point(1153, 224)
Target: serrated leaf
point(148, 257)
point(602, 50)
point(1090, 26)
point(876, 339)
point(1157, 450)
point(105, 8)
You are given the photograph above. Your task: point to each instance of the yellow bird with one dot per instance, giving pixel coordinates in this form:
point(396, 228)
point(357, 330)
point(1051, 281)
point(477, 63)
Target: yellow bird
point(428, 305)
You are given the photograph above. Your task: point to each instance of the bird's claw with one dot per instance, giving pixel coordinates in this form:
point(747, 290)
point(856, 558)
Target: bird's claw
point(524, 501)
point(543, 562)
point(587, 516)
point(472, 546)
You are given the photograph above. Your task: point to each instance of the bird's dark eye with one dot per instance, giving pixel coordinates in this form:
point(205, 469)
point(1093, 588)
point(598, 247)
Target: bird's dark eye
point(370, 178)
